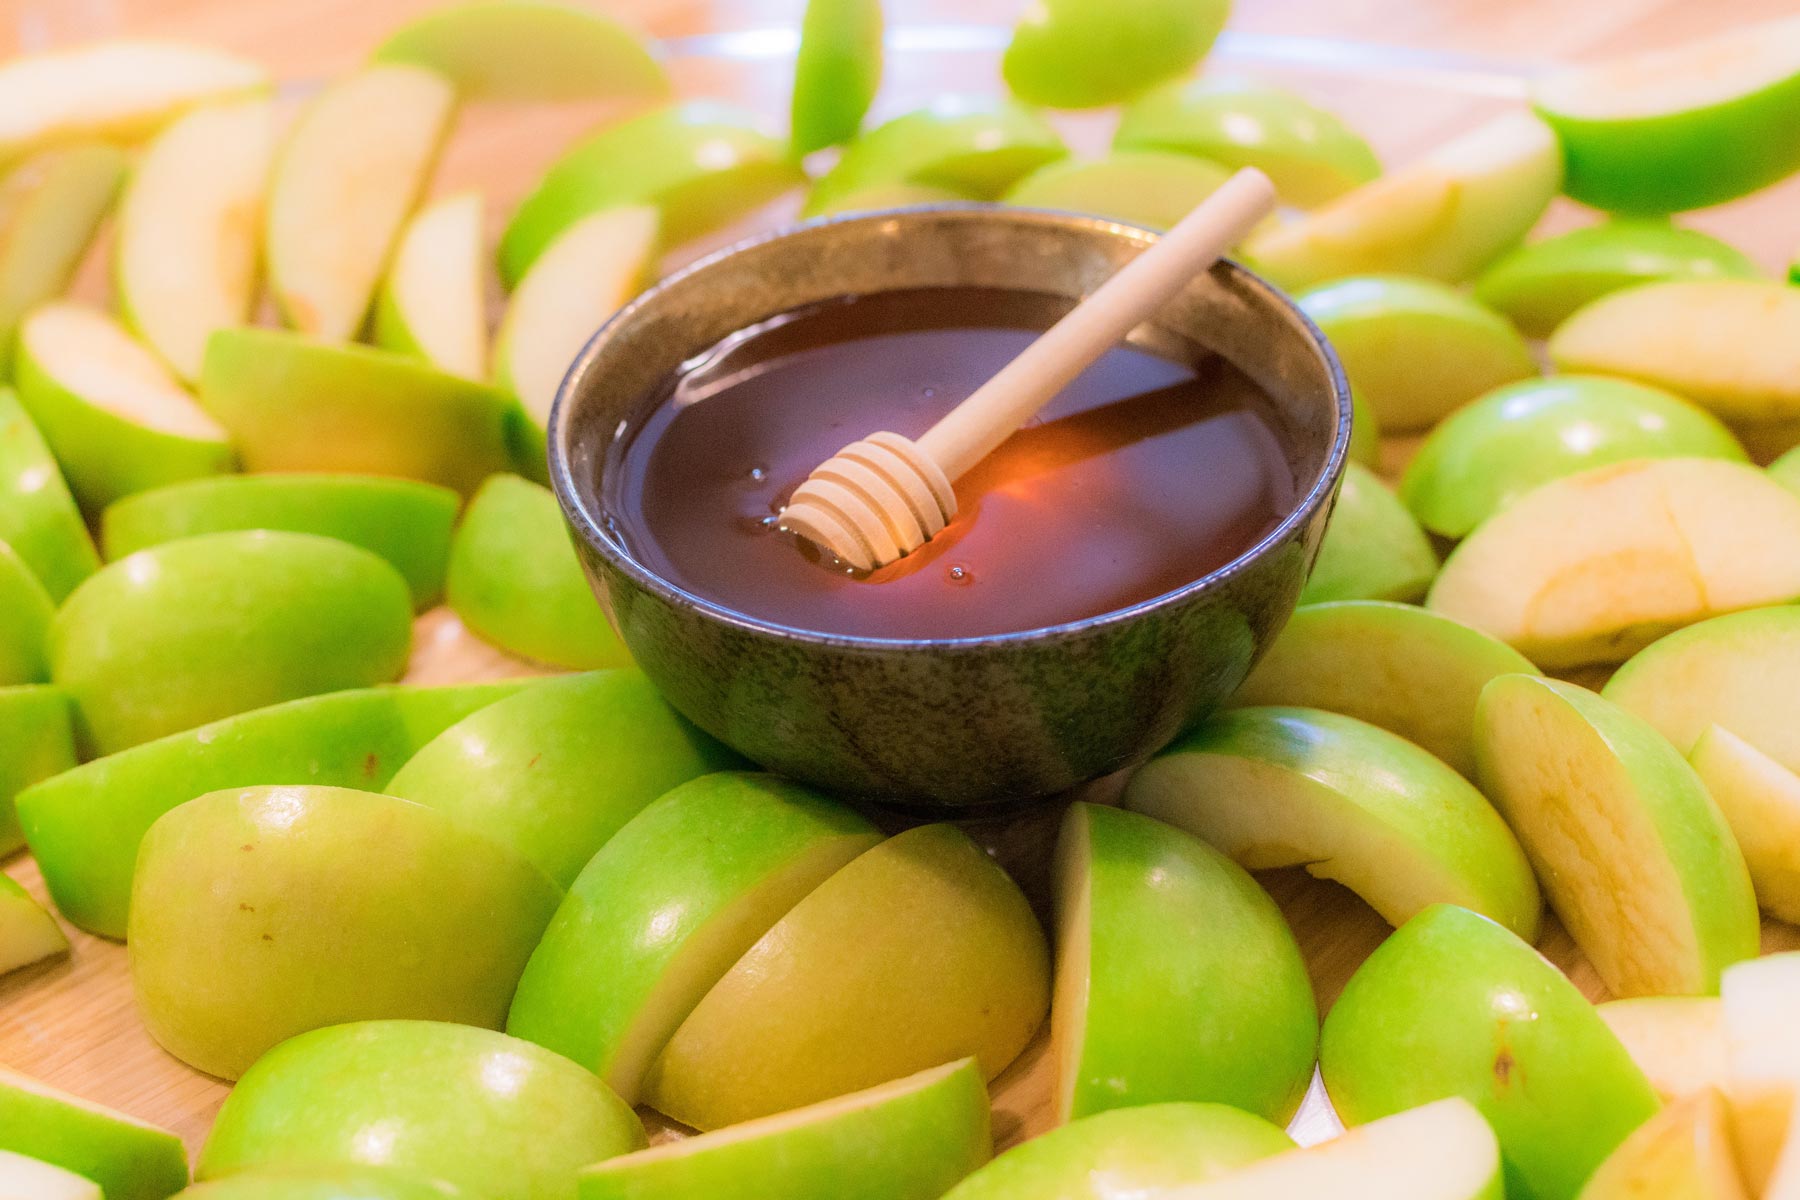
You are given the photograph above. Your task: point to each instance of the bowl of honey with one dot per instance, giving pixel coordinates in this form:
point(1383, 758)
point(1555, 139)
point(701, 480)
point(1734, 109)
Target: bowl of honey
point(1113, 571)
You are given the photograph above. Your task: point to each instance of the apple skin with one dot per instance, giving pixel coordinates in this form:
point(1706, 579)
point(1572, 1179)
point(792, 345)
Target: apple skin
point(1311, 156)
point(129, 1158)
point(37, 1180)
point(950, 961)
point(38, 517)
point(200, 628)
point(557, 770)
point(1133, 1151)
point(1540, 285)
point(1090, 53)
point(445, 918)
point(1141, 187)
point(837, 72)
point(39, 743)
point(25, 612)
point(28, 934)
point(405, 522)
point(496, 1117)
point(85, 824)
point(295, 404)
point(1682, 1153)
point(1454, 1005)
point(51, 205)
point(1606, 807)
point(324, 1183)
point(1365, 433)
point(906, 1140)
point(1677, 1041)
point(1178, 978)
point(1488, 453)
point(1372, 549)
point(1283, 787)
point(1761, 802)
point(879, 196)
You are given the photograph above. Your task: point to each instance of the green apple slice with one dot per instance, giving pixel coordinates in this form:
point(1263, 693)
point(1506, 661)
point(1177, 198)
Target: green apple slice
point(1661, 543)
point(1637, 860)
point(1446, 216)
point(1284, 787)
point(1365, 433)
point(1539, 286)
point(39, 743)
point(38, 517)
point(186, 256)
point(837, 71)
point(1763, 1070)
point(906, 1140)
point(580, 280)
point(665, 909)
point(1416, 349)
point(1684, 1150)
point(557, 770)
point(114, 90)
point(130, 1159)
point(1409, 670)
point(1373, 549)
point(1730, 345)
point(1176, 976)
point(702, 165)
point(529, 50)
point(514, 580)
point(485, 1113)
point(1454, 1005)
point(1489, 453)
point(1761, 802)
point(200, 628)
point(1143, 187)
point(444, 918)
point(1786, 469)
point(433, 305)
point(405, 522)
point(879, 196)
point(1677, 1041)
point(949, 961)
point(296, 404)
point(51, 205)
point(86, 823)
point(350, 171)
point(1090, 53)
point(1146, 1150)
point(28, 934)
point(32, 1179)
point(1310, 154)
point(25, 611)
point(337, 1182)
point(1687, 127)
point(973, 145)
point(108, 409)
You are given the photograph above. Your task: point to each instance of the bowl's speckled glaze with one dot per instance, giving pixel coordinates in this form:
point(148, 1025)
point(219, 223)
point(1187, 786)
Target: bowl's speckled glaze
point(940, 726)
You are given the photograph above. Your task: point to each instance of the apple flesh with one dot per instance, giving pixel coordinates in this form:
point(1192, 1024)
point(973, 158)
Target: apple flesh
point(85, 823)
point(1454, 1005)
point(488, 1114)
point(836, 73)
point(433, 305)
point(130, 1159)
point(1761, 802)
point(1487, 454)
point(25, 612)
point(1141, 187)
point(28, 934)
point(39, 743)
point(1637, 860)
point(51, 206)
point(948, 961)
point(1763, 1071)
point(1284, 787)
point(1372, 549)
point(1661, 543)
point(1089, 53)
point(1682, 1152)
point(38, 517)
point(31, 1179)
point(1677, 1041)
point(907, 1140)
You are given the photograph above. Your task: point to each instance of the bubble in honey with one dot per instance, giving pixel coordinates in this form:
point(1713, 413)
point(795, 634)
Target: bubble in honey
point(960, 575)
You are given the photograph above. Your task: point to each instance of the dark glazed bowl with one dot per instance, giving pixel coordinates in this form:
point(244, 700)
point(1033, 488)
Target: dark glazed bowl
point(953, 724)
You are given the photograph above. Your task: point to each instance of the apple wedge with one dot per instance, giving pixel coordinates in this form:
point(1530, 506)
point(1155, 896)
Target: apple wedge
point(1763, 1071)
point(186, 256)
point(906, 1140)
point(51, 206)
point(39, 743)
point(433, 305)
point(1445, 217)
point(351, 169)
point(836, 72)
point(85, 823)
point(1661, 543)
point(1284, 787)
point(38, 517)
point(116, 90)
point(115, 418)
point(25, 612)
point(1151, 188)
point(542, 50)
point(1176, 976)
point(1677, 1041)
point(1372, 549)
point(1090, 53)
point(1761, 802)
point(28, 934)
point(1636, 859)
point(33, 1179)
point(1683, 1151)
point(949, 962)
point(130, 1159)
point(1454, 1005)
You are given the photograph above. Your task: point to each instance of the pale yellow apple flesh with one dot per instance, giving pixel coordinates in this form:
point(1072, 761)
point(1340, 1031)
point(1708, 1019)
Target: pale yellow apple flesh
point(1677, 1041)
point(28, 934)
point(434, 303)
point(1683, 1152)
point(51, 205)
point(1762, 1056)
point(1761, 800)
point(24, 1178)
point(90, 356)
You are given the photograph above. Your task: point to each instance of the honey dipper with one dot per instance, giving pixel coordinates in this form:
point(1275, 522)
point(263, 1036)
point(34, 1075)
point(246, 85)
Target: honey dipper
point(884, 496)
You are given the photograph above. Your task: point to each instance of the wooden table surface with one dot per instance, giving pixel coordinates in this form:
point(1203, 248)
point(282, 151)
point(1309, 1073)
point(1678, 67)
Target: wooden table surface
point(72, 1021)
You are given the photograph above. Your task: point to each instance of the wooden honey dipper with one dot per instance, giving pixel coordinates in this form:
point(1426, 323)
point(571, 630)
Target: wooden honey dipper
point(883, 497)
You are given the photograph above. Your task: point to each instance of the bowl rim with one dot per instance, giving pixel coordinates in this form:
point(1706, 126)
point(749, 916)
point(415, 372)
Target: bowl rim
point(594, 534)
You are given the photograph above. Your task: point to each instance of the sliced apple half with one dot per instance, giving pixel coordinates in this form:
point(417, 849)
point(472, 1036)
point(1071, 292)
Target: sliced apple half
point(28, 934)
point(1685, 1150)
point(130, 1159)
point(1636, 859)
point(186, 256)
point(115, 418)
point(40, 742)
point(1677, 1041)
point(1761, 800)
point(1372, 549)
point(1284, 787)
point(1763, 1070)
point(1152, 188)
point(38, 516)
point(1688, 127)
point(434, 303)
point(34, 1179)
point(1661, 544)
point(353, 166)
point(51, 205)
